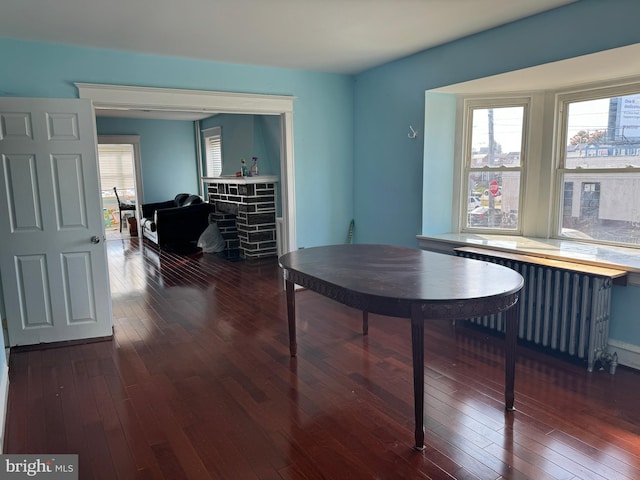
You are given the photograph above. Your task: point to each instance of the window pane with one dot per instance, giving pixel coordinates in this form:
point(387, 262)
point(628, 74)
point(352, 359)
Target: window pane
point(493, 200)
point(601, 207)
point(496, 137)
point(604, 133)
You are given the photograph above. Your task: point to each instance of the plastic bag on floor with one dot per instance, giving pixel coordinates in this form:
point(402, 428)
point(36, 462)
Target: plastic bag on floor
point(211, 240)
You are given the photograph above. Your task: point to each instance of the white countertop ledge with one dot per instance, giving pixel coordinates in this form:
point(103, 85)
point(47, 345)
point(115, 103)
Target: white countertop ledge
point(242, 180)
point(623, 258)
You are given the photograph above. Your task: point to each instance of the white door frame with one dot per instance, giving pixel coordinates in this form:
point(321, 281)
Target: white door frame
point(169, 99)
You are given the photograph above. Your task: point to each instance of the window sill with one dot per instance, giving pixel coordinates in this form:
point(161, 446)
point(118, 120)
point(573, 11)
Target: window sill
point(623, 258)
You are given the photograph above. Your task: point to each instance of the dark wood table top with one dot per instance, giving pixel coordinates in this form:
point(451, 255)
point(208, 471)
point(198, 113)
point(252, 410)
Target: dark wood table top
point(387, 280)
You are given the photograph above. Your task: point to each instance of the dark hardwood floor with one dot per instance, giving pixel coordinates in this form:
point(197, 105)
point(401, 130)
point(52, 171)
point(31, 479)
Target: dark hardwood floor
point(197, 383)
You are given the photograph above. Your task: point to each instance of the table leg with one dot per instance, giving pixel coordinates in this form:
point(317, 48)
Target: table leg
point(291, 316)
point(365, 322)
point(417, 348)
point(511, 340)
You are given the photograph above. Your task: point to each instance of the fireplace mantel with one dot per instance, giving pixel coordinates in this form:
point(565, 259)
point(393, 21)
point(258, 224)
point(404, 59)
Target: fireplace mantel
point(243, 180)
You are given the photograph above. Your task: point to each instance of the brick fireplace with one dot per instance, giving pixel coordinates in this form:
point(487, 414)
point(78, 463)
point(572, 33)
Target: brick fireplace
point(245, 211)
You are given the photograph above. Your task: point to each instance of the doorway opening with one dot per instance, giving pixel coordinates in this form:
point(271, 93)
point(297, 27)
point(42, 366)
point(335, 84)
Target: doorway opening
point(151, 99)
point(120, 185)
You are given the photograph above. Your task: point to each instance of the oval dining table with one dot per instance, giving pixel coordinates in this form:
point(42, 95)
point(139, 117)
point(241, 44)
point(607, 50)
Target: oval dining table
point(408, 283)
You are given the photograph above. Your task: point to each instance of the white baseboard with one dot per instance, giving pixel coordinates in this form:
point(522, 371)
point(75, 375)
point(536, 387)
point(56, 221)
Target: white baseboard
point(4, 402)
point(628, 354)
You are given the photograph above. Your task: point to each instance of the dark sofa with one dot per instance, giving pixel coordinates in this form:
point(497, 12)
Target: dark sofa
point(176, 224)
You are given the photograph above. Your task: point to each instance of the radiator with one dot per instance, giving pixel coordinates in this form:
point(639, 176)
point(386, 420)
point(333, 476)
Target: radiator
point(564, 311)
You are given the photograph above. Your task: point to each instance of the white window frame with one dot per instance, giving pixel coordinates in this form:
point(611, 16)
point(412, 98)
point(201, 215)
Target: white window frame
point(541, 195)
point(562, 99)
point(468, 105)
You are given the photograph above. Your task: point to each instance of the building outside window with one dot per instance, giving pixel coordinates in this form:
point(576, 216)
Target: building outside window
point(599, 166)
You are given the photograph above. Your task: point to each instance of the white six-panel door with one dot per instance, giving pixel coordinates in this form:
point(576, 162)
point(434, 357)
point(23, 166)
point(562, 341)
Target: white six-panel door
point(53, 264)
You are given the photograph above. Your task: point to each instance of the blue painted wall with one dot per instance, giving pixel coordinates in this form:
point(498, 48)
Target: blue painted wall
point(246, 136)
point(168, 154)
point(237, 139)
point(267, 143)
point(389, 98)
point(322, 117)
point(389, 167)
point(439, 140)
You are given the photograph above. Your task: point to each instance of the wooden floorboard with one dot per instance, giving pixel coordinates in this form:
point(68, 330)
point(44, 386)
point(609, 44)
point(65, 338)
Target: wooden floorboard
point(197, 383)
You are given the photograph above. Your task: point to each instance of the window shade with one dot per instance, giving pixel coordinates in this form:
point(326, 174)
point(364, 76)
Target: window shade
point(116, 167)
point(213, 152)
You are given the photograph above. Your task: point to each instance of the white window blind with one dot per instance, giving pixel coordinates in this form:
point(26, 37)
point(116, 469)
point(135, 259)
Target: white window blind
point(213, 151)
point(116, 167)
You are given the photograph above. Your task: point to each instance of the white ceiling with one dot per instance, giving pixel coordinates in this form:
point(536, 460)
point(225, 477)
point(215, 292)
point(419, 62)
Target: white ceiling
point(340, 36)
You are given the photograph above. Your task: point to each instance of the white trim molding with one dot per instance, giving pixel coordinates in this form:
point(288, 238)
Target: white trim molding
point(123, 96)
point(628, 354)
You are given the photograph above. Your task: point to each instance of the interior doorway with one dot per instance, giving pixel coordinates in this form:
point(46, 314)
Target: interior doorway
point(121, 97)
point(120, 183)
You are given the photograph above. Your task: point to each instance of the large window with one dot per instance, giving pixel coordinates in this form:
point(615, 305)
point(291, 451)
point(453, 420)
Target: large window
point(592, 194)
point(599, 165)
point(493, 163)
point(119, 164)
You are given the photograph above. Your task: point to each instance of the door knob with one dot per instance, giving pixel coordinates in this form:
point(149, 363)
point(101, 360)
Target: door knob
point(95, 239)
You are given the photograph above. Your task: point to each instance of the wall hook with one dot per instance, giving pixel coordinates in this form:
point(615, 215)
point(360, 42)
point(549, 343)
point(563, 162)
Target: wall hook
point(412, 133)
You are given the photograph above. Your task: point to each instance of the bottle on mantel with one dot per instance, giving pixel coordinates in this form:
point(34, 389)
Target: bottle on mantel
point(254, 167)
